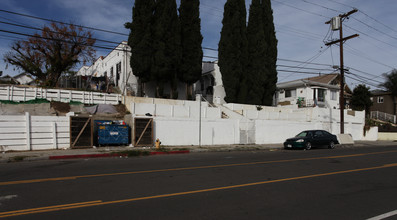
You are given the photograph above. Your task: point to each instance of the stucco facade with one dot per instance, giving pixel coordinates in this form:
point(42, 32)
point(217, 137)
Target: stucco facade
point(308, 93)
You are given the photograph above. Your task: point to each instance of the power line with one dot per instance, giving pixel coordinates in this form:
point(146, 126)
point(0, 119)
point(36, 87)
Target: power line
point(40, 29)
point(313, 13)
point(322, 6)
point(370, 36)
point(61, 22)
point(375, 29)
point(304, 62)
point(362, 12)
point(308, 68)
point(360, 54)
point(290, 71)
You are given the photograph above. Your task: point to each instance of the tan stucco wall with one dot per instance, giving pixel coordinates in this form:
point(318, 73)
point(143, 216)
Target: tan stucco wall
point(387, 136)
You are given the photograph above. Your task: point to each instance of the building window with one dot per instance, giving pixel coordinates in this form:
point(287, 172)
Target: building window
point(333, 95)
point(118, 71)
point(290, 93)
point(321, 95)
point(380, 99)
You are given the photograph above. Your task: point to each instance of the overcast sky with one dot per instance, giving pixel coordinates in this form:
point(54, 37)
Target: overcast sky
point(300, 26)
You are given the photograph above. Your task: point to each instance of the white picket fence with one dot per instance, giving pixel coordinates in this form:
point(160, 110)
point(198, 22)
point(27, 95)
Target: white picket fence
point(26, 132)
point(15, 93)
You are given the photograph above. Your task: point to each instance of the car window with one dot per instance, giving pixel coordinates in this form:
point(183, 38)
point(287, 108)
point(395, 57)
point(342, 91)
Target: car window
point(302, 134)
point(327, 133)
point(318, 133)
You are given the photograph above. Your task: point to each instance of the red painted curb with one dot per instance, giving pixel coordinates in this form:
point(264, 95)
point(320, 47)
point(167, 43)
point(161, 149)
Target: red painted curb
point(110, 155)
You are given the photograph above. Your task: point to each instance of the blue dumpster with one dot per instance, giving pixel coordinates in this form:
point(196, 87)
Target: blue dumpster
point(110, 133)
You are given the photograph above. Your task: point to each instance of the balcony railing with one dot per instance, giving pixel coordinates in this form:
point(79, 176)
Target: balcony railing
point(383, 116)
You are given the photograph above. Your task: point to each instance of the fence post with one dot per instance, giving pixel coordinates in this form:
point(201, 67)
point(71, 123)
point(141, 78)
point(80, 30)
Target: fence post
point(8, 93)
point(12, 94)
point(54, 135)
point(28, 131)
point(24, 94)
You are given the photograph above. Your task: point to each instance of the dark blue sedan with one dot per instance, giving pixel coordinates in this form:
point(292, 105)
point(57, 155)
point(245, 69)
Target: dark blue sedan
point(311, 138)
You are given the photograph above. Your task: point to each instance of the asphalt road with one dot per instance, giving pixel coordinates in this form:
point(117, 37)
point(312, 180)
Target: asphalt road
point(344, 183)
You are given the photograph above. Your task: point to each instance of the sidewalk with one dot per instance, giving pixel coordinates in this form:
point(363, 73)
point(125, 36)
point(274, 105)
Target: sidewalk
point(6, 157)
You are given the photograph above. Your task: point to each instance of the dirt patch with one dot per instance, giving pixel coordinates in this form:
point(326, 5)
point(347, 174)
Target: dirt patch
point(121, 109)
point(60, 107)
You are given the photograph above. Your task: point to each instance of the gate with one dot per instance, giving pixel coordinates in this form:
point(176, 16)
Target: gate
point(81, 132)
point(143, 132)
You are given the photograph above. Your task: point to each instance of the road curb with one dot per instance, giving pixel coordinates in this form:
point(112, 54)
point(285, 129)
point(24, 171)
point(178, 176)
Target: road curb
point(79, 156)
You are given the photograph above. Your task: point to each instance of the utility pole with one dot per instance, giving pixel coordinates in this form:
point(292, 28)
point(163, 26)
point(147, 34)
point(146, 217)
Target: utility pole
point(340, 19)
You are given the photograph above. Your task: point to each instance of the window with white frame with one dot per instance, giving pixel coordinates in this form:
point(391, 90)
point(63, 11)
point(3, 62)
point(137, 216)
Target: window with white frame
point(380, 99)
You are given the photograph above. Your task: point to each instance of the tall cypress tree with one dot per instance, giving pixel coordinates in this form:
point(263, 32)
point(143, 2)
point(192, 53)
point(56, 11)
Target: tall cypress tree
point(257, 49)
point(191, 39)
point(271, 57)
point(233, 51)
point(140, 39)
point(167, 54)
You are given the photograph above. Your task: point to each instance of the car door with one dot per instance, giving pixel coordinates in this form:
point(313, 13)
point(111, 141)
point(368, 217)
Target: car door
point(318, 138)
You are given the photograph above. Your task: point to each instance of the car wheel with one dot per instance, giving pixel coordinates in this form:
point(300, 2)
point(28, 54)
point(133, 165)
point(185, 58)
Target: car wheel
point(308, 146)
point(331, 145)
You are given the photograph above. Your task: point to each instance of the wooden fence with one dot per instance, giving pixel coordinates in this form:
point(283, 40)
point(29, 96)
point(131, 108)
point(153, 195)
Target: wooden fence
point(15, 93)
point(26, 132)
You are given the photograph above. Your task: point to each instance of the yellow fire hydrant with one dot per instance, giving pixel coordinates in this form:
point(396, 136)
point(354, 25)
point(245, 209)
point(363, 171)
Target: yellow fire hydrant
point(157, 144)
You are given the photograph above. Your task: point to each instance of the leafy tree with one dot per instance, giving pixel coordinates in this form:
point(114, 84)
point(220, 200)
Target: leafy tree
point(52, 53)
point(271, 57)
point(257, 51)
point(191, 39)
point(233, 51)
point(361, 98)
point(391, 85)
point(140, 39)
point(166, 40)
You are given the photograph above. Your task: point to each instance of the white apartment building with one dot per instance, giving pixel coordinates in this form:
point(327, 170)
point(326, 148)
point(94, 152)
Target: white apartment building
point(116, 67)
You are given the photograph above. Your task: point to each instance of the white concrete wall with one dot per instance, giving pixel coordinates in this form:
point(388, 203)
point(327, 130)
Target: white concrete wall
point(190, 110)
point(185, 132)
point(26, 132)
point(371, 134)
point(276, 131)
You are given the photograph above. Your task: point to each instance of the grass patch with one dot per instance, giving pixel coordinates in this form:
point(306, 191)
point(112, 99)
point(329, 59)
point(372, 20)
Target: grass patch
point(17, 158)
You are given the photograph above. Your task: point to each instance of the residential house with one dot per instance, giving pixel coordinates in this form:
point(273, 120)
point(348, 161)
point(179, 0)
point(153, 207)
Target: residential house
point(7, 79)
point(115, 70)
point(211, 85)
point(20, 79)
point(383, 101)
point(24, 79)
point(321, 91)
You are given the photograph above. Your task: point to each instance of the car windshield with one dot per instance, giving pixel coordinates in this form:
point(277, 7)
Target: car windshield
point(302, 134)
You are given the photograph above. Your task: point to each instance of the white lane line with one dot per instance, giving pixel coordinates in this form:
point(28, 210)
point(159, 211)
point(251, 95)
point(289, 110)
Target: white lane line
point(383, 216)
point(7, 197)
